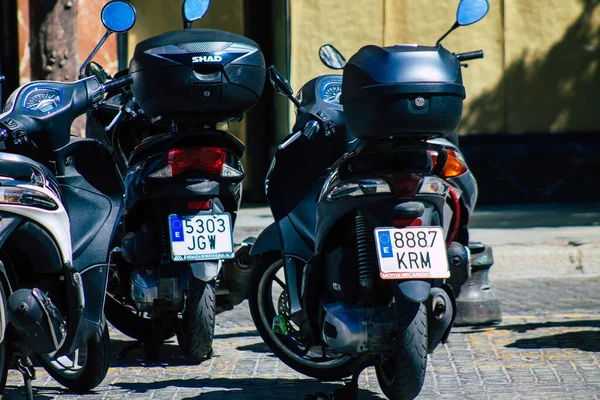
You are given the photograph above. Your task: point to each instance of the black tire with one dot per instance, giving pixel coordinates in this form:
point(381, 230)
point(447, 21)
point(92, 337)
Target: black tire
point(262, 312)
point(401, 377)
point(3, 351)
point(196, 330)
point(92, 373)
point(129, 323)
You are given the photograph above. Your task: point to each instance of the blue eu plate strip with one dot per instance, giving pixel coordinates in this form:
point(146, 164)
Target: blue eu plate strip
point(385, 244)
point(176, 229)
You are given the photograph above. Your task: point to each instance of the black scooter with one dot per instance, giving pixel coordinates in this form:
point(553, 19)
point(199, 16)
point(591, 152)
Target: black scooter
point(371, 204)
point(60, 202)
point(175, 264)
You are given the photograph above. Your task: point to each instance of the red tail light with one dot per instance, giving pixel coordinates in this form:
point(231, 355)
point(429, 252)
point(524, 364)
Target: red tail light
point(404, 185)
point(208, 159)
point(403, 223)
point(199, 205)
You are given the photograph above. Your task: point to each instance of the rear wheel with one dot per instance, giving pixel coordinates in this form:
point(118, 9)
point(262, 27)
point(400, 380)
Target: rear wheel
point(86, 367)
point(401, 377)
point(196, 330)
point(126, 318)
point(267, 298)
point(129, 322)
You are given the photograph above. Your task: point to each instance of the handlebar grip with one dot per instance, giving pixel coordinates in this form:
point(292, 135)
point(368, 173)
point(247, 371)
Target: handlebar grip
point(470, 55)
point(117, 83)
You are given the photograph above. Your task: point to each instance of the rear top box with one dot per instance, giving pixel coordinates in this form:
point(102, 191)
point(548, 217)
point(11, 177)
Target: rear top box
point(402, 90)
point(204, 73)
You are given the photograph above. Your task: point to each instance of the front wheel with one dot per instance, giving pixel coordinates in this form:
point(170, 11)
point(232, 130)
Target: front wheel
point(401, 377)
point(196, 330)
point(3, 349)
point(86, 367)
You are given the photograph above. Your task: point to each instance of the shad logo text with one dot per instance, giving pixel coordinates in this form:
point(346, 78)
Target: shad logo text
point(204, 59)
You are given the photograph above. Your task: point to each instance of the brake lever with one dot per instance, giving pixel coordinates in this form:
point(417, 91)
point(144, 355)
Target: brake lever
point(115, 120)
point(290, 140)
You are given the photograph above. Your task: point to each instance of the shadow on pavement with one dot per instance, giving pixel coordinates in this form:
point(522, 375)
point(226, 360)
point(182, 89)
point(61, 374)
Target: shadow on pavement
point(237, 335)
point(522, 328)
point(251, 388)
point(260, 347)
point(582, 340)
point(169, 355)
point(18, 392)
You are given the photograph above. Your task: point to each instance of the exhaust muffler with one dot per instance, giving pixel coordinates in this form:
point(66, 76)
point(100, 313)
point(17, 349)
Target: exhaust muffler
point(37, 320)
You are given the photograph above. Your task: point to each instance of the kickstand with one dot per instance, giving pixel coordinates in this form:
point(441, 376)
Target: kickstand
point(25, 366)
point(348, 392)
point(135, 345)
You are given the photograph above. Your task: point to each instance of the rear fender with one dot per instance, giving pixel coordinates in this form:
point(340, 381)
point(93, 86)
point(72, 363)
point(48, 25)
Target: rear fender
point(413, 291)
point(206, 271)
point(268, 240)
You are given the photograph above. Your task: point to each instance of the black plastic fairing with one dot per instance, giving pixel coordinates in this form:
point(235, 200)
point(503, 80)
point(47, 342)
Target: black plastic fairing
point(94, 197)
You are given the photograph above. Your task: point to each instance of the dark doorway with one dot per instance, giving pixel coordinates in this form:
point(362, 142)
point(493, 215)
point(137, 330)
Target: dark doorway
point(266, 22)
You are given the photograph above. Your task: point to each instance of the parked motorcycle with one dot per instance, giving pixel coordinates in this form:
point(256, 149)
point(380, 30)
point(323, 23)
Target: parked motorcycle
point(60, 202)
point(371, 204)
point(176, 266)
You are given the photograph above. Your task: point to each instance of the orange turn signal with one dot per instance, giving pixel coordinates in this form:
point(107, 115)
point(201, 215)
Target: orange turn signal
point(455, 166)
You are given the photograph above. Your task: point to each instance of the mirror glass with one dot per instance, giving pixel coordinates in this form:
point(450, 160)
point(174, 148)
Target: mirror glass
point(471, 11)
point(279, 82)
point(96, 70)
point(118, 16)
point(193, 10)
point(331, 57)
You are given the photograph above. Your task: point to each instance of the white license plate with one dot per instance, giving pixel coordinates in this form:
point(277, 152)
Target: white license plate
point(201, 237)
point(412, 253)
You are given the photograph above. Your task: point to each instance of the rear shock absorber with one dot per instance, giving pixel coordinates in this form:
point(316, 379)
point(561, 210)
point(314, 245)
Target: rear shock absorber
point(365, 250)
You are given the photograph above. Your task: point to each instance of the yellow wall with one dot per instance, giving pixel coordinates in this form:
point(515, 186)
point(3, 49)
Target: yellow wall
point(540, 71)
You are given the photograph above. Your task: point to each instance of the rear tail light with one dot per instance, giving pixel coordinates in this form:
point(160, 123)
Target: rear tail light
point(403, 223)
point(195, 158)
point(199, 205)
point(404, 185)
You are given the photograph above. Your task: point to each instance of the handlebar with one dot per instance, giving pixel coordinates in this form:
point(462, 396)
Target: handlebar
point(470, 55)
point(117, 83)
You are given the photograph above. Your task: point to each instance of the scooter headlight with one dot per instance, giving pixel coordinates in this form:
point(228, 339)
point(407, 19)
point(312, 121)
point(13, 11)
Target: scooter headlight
point(359, 187)
point(26, 196)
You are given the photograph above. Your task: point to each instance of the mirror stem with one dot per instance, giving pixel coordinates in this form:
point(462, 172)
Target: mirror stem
point(187, 25)
point(293, 100)
point(92, 54)
point(447, 33)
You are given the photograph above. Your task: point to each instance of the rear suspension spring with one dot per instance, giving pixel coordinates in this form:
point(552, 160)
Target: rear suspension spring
point(365, 250)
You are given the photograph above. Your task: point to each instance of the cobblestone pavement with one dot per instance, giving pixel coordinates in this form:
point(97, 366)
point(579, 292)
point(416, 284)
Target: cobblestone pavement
point(546, 348)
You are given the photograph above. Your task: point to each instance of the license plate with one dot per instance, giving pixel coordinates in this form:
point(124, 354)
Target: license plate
point(412, 253)
point(201, 237)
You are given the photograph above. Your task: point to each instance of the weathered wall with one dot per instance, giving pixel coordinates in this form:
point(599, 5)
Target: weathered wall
point(540, 71)
point(89, 31)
